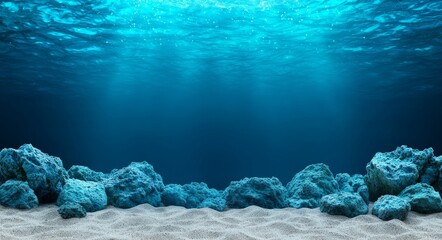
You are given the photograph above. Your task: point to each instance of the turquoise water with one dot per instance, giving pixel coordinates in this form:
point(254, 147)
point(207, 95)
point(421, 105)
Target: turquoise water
point(220, 90)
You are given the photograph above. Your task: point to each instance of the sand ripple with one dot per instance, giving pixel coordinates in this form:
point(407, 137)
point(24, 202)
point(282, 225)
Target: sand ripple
point(147, 222)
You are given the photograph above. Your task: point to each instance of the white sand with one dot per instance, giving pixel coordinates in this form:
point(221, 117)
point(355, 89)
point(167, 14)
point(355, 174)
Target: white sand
point(147, 222)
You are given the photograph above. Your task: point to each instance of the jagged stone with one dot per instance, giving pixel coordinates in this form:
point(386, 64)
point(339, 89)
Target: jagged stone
point(353, 183)
point(349, 204)
point(17, 194)
point(45, 174)
point(430, 173)
point(308, 186)
point(422, 198)
point(135, 184)
point(263, 192)
point(391, 172)
point(72, 210)
point(390, 207)
point(193, 195)
point(85, 174)
point(90, 195)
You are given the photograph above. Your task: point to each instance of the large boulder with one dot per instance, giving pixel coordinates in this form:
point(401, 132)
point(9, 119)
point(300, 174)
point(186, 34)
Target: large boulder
point(308, 186)
point(135, 184)
point(422, 198)
point(391, 172)
point(390, 207)
point(90, 195)
point(353, 183)
point(17, 194)
point(193, 195)
point(263, 192)
point(85, 174)
point(45, 174)
point(343, 203)
point(72, 210)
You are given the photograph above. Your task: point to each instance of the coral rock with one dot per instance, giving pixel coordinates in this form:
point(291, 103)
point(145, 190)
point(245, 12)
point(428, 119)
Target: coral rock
point(310, 185)
point(45, 174)
point(72, 210)
point(263, 192)
point(85, 174)
point(193, 195)
point(344, 203)
point(422, 198)
point(17, 194)
point(353, 183)
point(390, 207)
point(135, 184)
point(90, 195)
point(391, 172)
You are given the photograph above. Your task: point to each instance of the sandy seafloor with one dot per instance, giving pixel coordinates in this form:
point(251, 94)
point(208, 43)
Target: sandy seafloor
point(147, 222)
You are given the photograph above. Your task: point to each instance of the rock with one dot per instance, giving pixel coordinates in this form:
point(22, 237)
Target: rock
point(85, 174)
point(422, 198)
point(72, 210)
point(430, 173)
point(308, 186)
point(193, 195)
point(390, 207)
point(90, 195)
point(343, 203)
point(17, 194)
point(45, 174)
point(263, 192)
point(353, 183)
point(135, 184)
point(391, 172)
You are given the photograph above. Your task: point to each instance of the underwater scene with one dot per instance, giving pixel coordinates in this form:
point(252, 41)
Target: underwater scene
point(220, 119)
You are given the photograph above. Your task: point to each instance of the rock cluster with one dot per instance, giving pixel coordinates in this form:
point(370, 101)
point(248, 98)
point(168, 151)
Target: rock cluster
point(263, 192)
point(400, 181)
point(307, 187)
point(193, 195)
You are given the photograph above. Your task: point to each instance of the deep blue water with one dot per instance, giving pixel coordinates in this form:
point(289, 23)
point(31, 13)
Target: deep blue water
point(215, 91)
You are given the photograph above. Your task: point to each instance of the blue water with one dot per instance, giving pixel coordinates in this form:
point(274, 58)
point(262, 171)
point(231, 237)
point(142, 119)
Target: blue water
point(216, 91)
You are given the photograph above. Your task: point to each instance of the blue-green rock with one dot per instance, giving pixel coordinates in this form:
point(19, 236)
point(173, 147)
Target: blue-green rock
point(422, 198)
point(85, 174)
point(90, 195)
point(308, 186)
point(45, 174)
point(17, 194)
point(349, 204)
point(391, 172)
point(263, 192)
point(390, 207)
point(193, 195)
point(72, 210)
point(135, 184)
point(353, 183)
point(430, 173)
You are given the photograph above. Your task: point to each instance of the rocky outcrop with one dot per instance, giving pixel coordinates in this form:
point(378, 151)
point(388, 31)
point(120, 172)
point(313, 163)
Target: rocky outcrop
point(308, 186)
point(45, 174)
point(354, 184)
point(193, 195)
point(17, 194)
point(391, 172)
point(85, 174)
point(135, 184)
point(422, 198)
point(390, 207)
point(349, 204)
point(90, 195)
point(263, 192)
